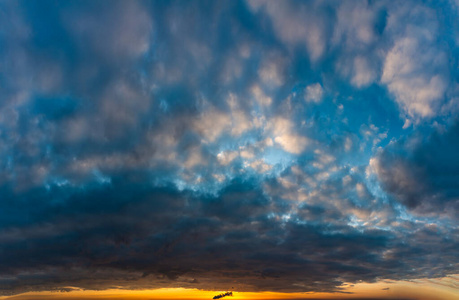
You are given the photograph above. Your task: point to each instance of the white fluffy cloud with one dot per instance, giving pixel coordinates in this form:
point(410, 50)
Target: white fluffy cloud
point(211, 124)
point(355, 36)
point(415, 67)
point(314, 93)
point(284, 136)
point(410, 74)
point(297, 25)
point(355, 25)
point(363, 72)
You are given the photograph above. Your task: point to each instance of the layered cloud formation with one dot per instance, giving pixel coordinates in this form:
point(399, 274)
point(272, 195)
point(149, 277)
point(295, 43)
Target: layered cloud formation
point(266, 145)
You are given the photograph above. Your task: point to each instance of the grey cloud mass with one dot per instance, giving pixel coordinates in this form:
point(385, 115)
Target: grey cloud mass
point(286, 146)
point(421, 172)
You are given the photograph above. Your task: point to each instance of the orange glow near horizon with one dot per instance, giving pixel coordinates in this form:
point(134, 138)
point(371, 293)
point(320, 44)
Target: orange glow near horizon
point(436, 289)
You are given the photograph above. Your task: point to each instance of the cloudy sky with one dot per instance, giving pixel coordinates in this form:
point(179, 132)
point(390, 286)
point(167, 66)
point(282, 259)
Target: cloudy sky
point(253, 146)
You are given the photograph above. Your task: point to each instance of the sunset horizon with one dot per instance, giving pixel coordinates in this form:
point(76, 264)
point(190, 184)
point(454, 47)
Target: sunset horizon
point(364, 291)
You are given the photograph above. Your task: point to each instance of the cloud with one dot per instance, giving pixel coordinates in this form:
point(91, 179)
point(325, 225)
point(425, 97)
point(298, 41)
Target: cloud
point(148, 237)
point(123, 31)
point(260, 96)
point(418, 174)
point(292, 143)
point(211, 124)
point(415, 68)
point(314, 93)
point(192, 144)
point(296, 25)
point(418, 93)
point(357, 31)
point(355, 24)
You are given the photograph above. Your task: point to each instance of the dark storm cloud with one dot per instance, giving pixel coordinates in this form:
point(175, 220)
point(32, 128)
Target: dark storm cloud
point(127, 233)
point(215, 144)
point(421, 172)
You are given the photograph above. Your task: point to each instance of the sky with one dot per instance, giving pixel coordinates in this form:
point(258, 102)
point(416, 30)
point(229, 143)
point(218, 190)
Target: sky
point(270, 148)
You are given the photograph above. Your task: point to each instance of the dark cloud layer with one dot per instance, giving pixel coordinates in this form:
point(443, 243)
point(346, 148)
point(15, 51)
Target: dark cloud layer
point(137, 236)
point(261, 145)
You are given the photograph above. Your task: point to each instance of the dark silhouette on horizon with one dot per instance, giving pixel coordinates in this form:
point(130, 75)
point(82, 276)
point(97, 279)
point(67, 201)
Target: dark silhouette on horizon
point(223, 295)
